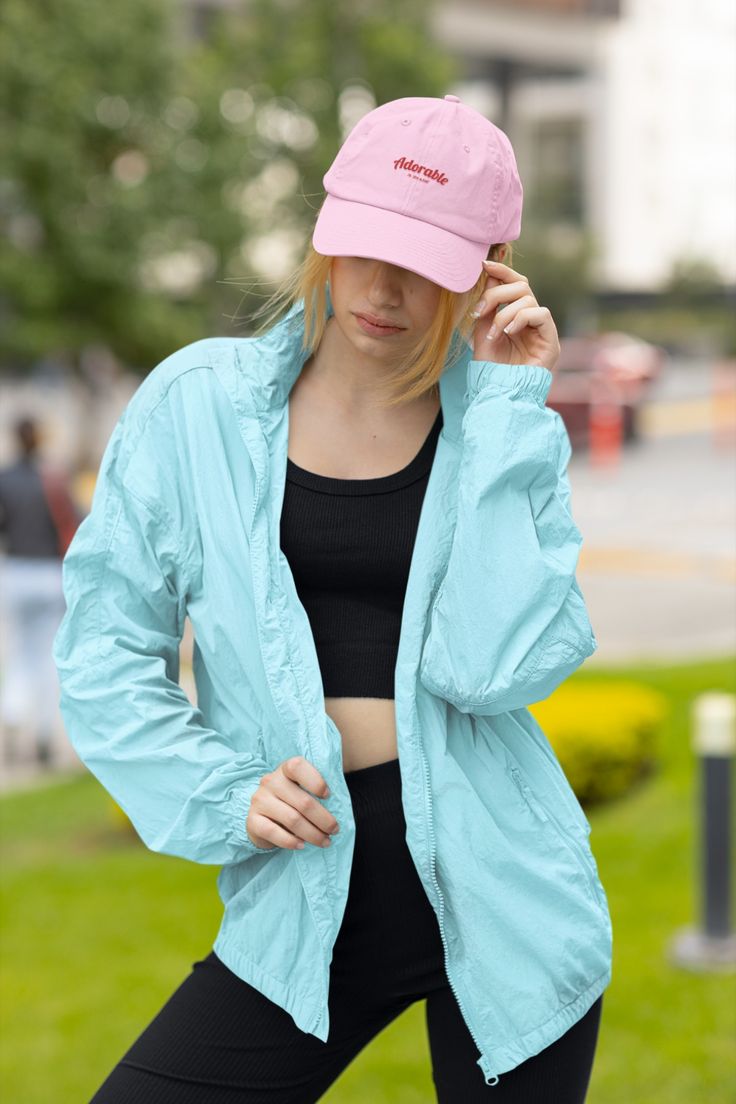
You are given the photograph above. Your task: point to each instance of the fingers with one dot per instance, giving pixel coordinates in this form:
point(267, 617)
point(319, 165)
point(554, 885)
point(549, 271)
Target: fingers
point(264, 832)
point(510, 313)
point(492, 297)
point(502, 272)
point(529, 316)
point(304, 814)
point(282, 823)
point(285, 813)
point(300, 770)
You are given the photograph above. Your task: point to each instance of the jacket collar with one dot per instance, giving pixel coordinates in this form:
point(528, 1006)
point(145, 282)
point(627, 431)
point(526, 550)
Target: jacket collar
point(273, 362)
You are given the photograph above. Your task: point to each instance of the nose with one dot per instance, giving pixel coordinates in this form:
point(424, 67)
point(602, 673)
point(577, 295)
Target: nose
point(384, 284)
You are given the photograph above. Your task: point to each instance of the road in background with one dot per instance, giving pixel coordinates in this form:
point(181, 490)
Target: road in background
point(658, 562)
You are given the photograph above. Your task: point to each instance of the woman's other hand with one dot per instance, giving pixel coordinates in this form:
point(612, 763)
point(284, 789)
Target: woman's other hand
point(283, 811)
point(532, 335)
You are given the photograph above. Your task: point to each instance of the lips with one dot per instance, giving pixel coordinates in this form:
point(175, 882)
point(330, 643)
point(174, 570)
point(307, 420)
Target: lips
point(376, 320)
point(377, 330)
point(379, 327)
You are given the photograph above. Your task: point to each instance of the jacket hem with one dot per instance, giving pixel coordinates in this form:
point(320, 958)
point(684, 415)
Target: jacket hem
point(297, 1005)
point(502, 1059)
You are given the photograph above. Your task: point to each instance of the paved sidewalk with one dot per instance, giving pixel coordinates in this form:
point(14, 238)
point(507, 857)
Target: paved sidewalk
point(658, 562)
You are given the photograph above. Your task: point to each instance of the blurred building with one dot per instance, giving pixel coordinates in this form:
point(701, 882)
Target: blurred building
point(623, 117)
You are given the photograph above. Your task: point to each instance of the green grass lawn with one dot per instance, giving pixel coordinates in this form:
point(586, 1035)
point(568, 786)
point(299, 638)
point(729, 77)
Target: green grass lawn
point(97, 932)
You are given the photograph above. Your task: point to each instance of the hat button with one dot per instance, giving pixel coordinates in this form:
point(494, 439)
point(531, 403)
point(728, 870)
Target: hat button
point(453, 99)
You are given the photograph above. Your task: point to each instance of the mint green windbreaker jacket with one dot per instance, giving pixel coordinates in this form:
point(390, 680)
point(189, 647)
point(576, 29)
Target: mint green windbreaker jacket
point(185, 522)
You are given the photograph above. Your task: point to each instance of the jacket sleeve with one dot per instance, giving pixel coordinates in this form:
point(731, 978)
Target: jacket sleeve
point(508, 622)
point(185, 787)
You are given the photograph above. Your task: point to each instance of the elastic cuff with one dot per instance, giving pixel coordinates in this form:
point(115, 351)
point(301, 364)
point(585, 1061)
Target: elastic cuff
point(240, 799)
point(530, 380)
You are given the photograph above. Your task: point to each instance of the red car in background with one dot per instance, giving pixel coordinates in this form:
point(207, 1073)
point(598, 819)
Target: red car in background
point(611, 367)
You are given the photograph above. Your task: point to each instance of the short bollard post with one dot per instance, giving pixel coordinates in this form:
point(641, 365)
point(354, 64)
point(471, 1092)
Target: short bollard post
point(712, 946)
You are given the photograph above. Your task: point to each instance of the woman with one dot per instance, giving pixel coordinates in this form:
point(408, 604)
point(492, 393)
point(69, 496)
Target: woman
point(367, 522)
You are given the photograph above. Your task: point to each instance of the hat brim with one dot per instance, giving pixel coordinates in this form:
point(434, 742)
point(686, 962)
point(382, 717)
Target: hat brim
point(345, 228)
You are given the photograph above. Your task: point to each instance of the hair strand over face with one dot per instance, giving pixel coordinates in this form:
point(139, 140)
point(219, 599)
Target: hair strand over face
point(423, 365)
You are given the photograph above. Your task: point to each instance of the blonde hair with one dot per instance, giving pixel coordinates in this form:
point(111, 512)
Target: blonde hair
point(422, 367)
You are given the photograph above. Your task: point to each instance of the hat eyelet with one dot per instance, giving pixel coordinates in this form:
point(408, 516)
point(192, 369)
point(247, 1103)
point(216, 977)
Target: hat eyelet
point(406, 122)
point(467, 149)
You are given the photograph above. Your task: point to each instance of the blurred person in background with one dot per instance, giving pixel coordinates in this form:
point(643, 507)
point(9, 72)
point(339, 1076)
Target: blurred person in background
point(38, 518)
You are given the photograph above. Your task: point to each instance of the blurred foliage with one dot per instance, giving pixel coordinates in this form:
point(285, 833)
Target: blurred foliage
point(120, 818)
point(147, 160)
point(704, 330)
point(693, 315)
point(557, 262)
point(605, 734)
point(89, 90)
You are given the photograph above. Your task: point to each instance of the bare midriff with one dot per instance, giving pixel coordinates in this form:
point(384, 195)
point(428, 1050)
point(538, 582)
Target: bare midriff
point(368, 729)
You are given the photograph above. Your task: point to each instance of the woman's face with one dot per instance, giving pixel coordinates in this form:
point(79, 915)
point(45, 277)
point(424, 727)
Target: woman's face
point(366, 291)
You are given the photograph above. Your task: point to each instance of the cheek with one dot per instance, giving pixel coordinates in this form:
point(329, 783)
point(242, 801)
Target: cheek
point(342, 283)
point(428, 306)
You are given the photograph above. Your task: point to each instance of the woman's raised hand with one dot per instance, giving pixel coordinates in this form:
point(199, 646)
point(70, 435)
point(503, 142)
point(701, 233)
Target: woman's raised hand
point(521, 332)
point(284, 813)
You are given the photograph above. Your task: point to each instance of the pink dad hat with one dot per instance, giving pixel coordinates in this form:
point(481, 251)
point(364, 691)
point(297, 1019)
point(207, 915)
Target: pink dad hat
point(424, 183)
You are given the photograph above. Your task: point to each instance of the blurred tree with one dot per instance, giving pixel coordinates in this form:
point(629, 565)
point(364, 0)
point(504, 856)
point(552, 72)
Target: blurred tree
point(87, 158)
point(557, 258)
point(692, 279)
point(143, 164)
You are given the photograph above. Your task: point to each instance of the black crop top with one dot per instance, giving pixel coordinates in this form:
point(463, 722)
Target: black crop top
point(349, 544)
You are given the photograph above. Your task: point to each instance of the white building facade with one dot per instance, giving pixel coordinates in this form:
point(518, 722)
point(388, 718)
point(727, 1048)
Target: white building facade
point(630, 106)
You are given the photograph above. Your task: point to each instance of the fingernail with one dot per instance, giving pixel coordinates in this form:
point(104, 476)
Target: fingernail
point(475, 314)
point(492, 333)
point(326, 842)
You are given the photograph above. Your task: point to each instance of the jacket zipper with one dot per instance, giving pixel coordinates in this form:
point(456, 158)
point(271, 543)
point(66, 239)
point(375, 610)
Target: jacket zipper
point(489, 1077)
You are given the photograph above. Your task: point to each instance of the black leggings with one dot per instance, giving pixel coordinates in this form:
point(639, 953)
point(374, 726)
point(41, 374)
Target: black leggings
point(217, 1040)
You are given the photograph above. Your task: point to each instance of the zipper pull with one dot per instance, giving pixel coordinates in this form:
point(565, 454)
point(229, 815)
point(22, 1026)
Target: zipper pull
point(488, 1077)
